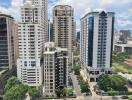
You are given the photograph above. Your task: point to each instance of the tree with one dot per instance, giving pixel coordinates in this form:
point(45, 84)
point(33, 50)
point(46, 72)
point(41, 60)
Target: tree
point(77, 52)
point(33, 92)
point(120, 56)
point(76, 70)
point(130, 98)
point(61, 91)
point(58, 92)
point(104, 82)
point(84, 86)
point(118, 82)
point(17, 92)
point(114, 82)
point(69, 91)
point(11, 82)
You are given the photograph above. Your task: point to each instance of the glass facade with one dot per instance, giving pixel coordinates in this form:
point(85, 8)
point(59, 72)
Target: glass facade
point(3, 43)
point(113, 20)
point(90, 40)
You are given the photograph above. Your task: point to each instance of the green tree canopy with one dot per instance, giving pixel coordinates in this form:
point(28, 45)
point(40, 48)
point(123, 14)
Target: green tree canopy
point(61, 91)
point(15, 90)
point(76, 70)
point(121, 56)
point(84, 85)
point(118, 82)
point(11, 82)
point(33, 92)
point(104, 82)
point(114, 82)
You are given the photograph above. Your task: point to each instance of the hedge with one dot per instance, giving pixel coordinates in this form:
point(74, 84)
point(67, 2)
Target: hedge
point(112, 93)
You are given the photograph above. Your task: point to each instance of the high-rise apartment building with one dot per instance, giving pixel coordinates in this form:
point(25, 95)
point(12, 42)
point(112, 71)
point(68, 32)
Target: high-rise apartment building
point(50, 31)
point(55, 68)
point(64, 27)
point(97, 30)
point(32, 36)
point(7, 41)
point(125, 35)
point(16, 51)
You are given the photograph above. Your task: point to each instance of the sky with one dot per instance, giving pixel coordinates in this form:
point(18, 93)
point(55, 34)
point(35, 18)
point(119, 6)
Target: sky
point(122, 9)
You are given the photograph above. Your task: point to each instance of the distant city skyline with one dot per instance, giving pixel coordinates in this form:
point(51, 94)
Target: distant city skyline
point(123, 9)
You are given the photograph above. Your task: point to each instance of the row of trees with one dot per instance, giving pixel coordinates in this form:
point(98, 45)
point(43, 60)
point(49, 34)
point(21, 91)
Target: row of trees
point(76, 66)
point(120, 56)
point(63, 91)
point(76, 70)
point(112, 83)
point(15, 90)
point(84, 85)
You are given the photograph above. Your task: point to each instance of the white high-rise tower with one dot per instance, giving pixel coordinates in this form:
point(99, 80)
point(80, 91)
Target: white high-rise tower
point(32, 36)
point(96, 43)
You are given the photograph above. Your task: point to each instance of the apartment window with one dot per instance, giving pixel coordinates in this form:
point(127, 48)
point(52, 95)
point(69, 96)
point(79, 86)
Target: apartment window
point(25, 63)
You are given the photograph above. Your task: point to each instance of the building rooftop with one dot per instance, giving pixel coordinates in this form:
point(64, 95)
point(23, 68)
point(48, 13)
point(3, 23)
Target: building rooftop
point(97, 12)
point(124, 45)
point(5, 15)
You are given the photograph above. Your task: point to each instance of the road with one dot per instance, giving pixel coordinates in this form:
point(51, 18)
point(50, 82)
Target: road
point(75, 84)
point(80, 95)
point(77, 89)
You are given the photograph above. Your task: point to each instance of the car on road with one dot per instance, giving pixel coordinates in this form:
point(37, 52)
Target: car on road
point(78, 77)
point(125, 97)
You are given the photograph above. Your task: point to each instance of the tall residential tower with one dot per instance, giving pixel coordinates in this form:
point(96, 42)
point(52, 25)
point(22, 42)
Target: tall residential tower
point(33, 33)
point(8, 48)
point(96, 43)
point(64, 27)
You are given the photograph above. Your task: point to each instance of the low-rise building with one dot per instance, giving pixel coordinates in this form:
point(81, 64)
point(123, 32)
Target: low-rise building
point(123, 48)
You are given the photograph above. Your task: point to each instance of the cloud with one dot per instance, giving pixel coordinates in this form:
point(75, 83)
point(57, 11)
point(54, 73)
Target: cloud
point(124, 22)
point(4, 10)
point(122, 8)
point(106, 2)
point(103, 3)
point(14, 9)
point(85, 12)
point(130, 10)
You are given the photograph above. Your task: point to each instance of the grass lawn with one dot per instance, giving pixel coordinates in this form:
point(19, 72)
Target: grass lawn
point(122, 68)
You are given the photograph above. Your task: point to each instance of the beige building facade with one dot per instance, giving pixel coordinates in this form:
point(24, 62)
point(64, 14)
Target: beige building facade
point(64, 27)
